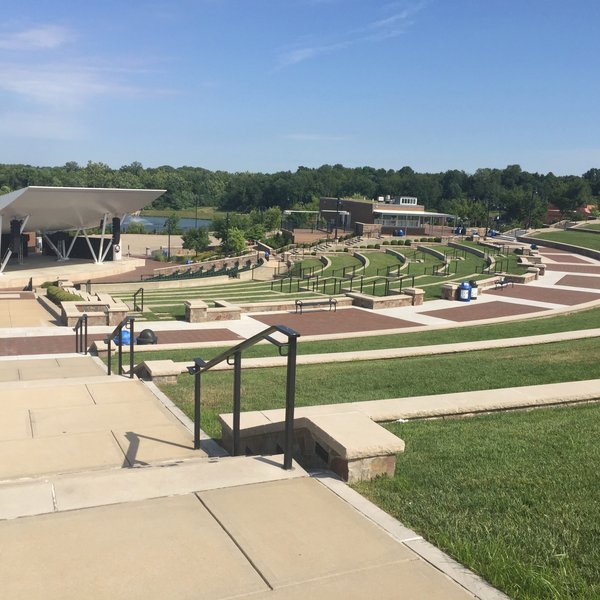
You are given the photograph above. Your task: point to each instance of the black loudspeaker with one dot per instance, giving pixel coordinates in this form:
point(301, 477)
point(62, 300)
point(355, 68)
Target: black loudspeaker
point(15, 235)
point(116, 230)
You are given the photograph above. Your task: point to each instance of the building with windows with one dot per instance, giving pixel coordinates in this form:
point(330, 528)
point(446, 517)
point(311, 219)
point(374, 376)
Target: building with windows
point(385, 215)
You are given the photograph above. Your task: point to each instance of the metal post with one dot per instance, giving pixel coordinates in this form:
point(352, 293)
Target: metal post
point(109, 356)
point(131, 347)
point(290, 399)
point(85, 324)
point(237, 387)
point(197, 396)
point(121, 351)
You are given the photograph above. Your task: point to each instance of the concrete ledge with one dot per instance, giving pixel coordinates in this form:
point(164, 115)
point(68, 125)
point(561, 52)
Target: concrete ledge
point(349, 443)
point(98, 312)
point(417, 295)
point(197, 311)
point(281, 306)
point(160, 371)
point(377, 302)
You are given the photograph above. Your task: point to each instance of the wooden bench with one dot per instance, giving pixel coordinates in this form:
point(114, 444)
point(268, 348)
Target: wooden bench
point(503, 282)
point(331, 302)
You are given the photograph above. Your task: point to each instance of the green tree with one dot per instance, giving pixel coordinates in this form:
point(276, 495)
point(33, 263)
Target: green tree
point(234, 242)
point(171, 223)
point(272, 218)
point(196, 239)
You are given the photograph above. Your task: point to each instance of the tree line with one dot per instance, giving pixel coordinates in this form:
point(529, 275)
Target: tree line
point(517, 195)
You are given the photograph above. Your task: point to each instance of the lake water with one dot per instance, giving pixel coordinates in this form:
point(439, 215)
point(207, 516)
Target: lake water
point(157, 224)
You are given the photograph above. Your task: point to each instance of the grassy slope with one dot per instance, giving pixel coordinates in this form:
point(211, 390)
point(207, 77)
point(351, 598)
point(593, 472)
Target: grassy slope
point(329, 383)
point(576, 238)
point(513, 496)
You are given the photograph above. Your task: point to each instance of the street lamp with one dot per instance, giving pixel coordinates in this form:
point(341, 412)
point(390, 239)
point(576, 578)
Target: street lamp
point(533, 193)
point(338, 204)
point(168, 228)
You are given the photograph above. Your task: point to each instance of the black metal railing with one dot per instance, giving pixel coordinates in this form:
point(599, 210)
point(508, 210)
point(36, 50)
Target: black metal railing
point(235, 354)
point(138, 307)
point(81, 334)
point(128, 324)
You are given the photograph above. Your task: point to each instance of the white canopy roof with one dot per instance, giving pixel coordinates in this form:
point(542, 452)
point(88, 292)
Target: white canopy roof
point(410, 213)
point(64, 208)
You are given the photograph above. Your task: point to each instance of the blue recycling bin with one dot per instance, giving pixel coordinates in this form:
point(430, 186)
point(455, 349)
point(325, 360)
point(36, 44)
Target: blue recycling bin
point(464, 291)
point(126, 338)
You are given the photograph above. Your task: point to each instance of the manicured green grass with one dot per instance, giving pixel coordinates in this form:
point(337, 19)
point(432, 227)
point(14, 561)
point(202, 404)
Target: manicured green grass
point(513, 496)
point(572, 236)
point(379, 262)
point(330, 383)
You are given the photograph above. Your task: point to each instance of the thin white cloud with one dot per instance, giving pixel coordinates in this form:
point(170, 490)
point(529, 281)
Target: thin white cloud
point(35, 38)
point(59, 85)
point(377, 30)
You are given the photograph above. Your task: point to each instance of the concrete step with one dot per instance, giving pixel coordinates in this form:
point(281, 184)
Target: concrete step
point(65, 492)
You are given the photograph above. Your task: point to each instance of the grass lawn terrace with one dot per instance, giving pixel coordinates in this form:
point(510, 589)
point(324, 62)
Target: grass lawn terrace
point(513, 496)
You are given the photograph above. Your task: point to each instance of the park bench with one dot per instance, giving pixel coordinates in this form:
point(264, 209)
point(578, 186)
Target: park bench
point(503, 282)
point(331, 302)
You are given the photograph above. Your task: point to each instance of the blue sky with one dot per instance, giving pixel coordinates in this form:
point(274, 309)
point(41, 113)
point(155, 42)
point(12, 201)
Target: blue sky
point(268, 85)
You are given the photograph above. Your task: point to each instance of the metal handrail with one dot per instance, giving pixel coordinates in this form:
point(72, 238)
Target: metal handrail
point(137, 307)
point(128, 323)
point(81, 334)
point(200, 366)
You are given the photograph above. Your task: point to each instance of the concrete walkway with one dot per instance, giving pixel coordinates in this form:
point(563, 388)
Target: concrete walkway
point(102, 496)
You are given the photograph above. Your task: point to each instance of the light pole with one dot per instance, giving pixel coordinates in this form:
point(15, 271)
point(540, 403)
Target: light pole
point(338, 204)
point(168, 228)
point(533, 193)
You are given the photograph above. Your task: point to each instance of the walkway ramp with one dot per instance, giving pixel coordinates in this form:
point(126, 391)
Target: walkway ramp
point(286, 539)
point(65, 414)
point(102, 496)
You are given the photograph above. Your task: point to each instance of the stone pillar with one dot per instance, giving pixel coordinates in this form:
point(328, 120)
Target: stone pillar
point(195, 311)
point(417, 294)
point(449, 291)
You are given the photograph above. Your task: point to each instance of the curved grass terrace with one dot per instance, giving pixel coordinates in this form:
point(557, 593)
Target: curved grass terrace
point(584, 239)
point(371, 279)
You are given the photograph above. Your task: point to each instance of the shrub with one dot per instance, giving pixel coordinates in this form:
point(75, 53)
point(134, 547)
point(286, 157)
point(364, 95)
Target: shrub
point(407, 242)
point(377, 246)
point(345, 249)
point(47, 284)
point(58, 295)
point(437, 239)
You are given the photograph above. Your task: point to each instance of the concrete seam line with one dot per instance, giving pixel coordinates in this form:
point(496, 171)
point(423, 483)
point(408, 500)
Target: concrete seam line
point(460, 574)
point(238, 546)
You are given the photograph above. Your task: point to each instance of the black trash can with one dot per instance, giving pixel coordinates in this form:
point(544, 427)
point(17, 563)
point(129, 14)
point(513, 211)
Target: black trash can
point(146, 338)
